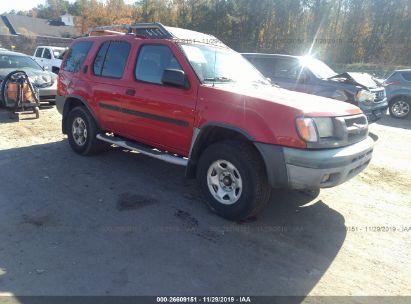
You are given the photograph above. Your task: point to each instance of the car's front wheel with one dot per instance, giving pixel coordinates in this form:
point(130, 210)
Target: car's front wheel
point(232, 178)
point(400, 107)
point(82, 131)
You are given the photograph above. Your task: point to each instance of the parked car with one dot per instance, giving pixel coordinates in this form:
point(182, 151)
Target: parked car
point(310, 75)
point(398, 88)
point(49, 57)
point(185, 98)
point(44, 81)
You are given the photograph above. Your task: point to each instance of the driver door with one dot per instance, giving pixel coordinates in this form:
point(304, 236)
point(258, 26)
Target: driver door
point(160, 115)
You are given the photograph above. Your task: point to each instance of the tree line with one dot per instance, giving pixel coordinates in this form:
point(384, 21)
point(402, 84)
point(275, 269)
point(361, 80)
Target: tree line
point(340, 31)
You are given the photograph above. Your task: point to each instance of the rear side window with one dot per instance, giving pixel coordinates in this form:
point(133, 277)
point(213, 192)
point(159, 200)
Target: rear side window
point(111, 59)
point(76, 56)
point(406, 76)
point(39, 52)
point(47, 54)
point(152, 61)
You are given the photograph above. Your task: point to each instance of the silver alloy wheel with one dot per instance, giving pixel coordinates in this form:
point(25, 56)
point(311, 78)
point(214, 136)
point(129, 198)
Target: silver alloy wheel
point(400, 108)
point(79, 130)
point(224, 182)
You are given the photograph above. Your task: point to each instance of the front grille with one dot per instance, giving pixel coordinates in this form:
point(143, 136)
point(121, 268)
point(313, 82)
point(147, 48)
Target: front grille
point(357, 128)
point(379, 94)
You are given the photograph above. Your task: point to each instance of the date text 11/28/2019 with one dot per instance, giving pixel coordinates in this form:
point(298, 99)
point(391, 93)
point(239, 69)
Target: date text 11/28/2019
point(209, 299)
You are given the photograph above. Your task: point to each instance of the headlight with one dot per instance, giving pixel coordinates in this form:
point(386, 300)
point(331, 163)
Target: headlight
point(364, 95)
point(306, 129)
point(312, 129)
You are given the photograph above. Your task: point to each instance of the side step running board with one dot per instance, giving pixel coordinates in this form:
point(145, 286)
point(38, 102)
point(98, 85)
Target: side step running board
point(143, 149)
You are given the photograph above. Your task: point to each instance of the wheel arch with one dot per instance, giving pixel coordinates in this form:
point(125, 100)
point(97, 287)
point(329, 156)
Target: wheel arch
point(399, 95)
point(70, 103)
point(212, 133)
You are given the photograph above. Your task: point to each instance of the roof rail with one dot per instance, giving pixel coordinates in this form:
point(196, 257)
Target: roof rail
point(153, 30)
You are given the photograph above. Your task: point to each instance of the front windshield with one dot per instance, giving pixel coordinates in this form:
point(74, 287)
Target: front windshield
point(213, 64)
point(18, 62)
point(317, 67)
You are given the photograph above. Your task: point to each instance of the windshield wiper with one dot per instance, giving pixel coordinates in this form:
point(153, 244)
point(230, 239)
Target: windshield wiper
point(219, 79)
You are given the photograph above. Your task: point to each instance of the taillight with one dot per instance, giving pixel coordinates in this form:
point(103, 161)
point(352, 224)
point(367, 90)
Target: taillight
point(388, 83)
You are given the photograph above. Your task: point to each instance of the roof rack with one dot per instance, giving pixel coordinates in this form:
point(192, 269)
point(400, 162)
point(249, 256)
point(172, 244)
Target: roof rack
point(153, 30)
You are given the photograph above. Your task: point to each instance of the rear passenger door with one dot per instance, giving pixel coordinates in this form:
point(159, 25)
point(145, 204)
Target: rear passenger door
point(110, 84)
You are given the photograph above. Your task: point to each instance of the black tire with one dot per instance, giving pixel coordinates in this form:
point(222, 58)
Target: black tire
point(91, 145)
point(255, 191)
point(405, 102)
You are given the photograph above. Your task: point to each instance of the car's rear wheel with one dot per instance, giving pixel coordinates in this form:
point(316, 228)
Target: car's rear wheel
point(400, 107)
point(82, 131)
point(232, 178)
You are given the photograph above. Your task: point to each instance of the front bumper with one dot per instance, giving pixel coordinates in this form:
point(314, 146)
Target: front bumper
point(375, 111)
point(314, 169)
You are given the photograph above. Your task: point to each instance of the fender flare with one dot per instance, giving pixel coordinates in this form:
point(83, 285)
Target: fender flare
point(66, 109)
point(271, 155)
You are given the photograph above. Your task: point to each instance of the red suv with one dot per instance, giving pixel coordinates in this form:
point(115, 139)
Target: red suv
point(186, 98)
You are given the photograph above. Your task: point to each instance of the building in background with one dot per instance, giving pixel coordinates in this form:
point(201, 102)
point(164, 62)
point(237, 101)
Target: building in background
point(24, 33)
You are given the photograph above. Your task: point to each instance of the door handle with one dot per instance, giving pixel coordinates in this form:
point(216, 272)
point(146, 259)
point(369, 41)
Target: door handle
point(131, 92)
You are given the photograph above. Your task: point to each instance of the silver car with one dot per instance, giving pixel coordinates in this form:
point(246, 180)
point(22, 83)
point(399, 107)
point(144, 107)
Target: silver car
point(398, 88)
point(43, 80)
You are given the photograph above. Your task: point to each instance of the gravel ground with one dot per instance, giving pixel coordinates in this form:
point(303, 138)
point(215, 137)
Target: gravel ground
point(125, 224)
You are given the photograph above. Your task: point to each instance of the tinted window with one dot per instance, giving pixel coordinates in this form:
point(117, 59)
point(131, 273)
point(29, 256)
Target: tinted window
point(111, 59)
point(39, 52)
point(99, 60)
point(406, 76)
point(264, 65)
point(152, 61)
point(287, 69)
point(76, 56)
point(47, 54)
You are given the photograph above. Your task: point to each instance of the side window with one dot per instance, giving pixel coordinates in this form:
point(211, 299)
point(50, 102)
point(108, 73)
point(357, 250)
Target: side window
point(152, 61)
point(286, 68)
point(111, 59)
point(39, 52)
point(47, 54)
point(406, 76)
point(265, 66)
point(76, 56)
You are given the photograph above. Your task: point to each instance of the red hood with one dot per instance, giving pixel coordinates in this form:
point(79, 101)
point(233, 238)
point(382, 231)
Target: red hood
point(309, 105)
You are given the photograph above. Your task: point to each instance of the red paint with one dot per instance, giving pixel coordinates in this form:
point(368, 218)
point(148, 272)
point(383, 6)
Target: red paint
point(267, 114)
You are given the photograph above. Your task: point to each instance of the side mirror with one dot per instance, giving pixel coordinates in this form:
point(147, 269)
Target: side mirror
point(175, 78)
point(46, 68)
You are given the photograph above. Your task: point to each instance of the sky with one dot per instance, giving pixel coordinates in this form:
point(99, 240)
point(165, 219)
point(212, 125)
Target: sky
point(25, 5)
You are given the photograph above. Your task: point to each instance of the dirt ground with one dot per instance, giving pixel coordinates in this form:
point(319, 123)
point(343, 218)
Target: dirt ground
point(125, 224)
